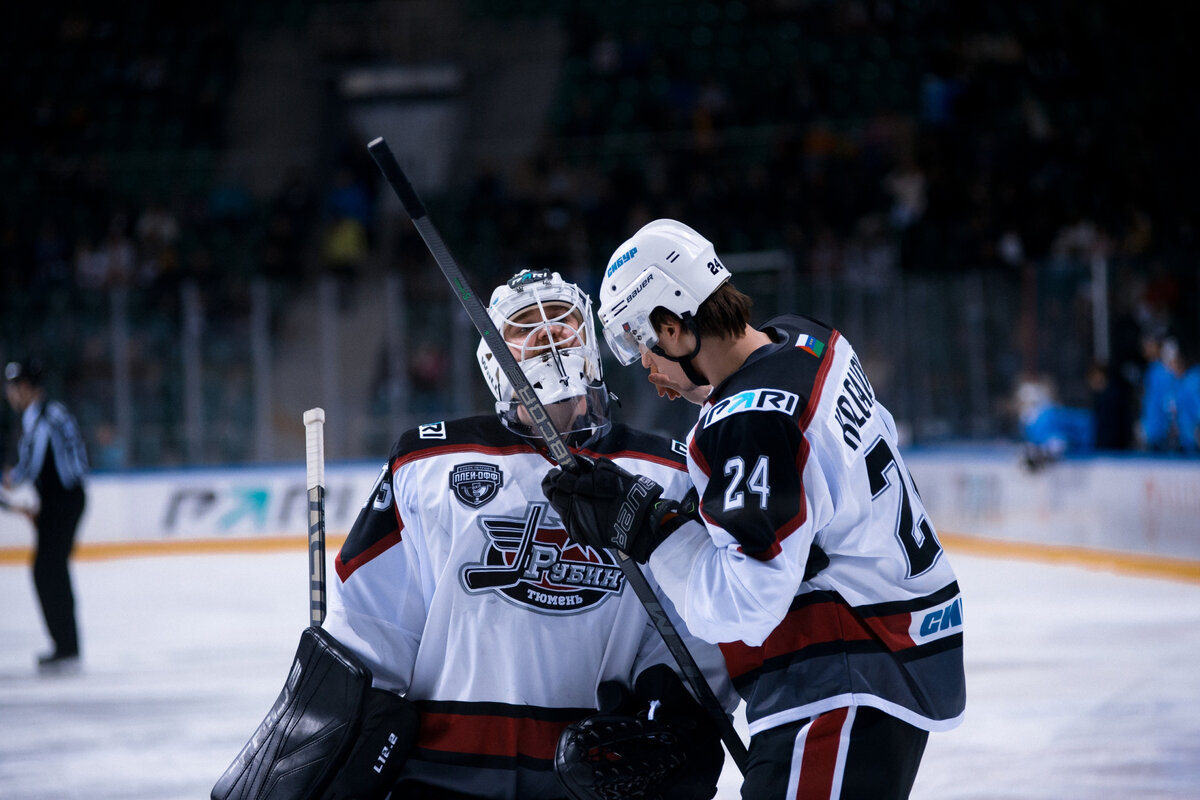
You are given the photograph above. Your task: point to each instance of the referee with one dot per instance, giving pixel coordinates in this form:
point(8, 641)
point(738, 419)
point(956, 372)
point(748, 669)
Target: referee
point(51, 454)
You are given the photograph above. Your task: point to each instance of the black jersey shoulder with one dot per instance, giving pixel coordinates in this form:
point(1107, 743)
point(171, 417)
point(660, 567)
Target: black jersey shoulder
point(622, 440)
point(778, 377)
point(483, 432)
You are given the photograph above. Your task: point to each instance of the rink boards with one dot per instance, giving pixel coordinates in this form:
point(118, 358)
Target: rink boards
point(1143, 512)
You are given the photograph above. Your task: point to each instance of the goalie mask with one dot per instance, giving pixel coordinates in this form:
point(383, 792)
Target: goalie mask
point(548, 325)
point(665, 264)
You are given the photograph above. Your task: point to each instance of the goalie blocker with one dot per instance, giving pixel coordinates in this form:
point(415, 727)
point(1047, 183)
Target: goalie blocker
point(329, 735)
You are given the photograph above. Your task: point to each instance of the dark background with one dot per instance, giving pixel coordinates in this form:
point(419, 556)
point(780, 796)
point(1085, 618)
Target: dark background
point(160, 161)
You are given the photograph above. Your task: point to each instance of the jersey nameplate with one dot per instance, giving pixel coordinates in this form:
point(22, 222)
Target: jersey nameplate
point(753, 400)
point(854, 405)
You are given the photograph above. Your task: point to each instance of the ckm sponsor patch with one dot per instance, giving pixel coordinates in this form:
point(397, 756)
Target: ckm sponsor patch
point(753, 400)
point(476, 483)
point(937, 622)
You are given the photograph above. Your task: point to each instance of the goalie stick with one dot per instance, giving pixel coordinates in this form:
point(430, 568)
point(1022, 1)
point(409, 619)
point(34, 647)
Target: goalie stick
point(314, 457)
point(562, 455)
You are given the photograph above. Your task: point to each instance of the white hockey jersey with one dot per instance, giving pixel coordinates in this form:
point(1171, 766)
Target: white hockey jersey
point(459, 588)
point(816, 565)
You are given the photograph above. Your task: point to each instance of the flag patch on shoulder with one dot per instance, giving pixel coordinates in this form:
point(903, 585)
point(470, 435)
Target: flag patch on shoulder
point(810, 344)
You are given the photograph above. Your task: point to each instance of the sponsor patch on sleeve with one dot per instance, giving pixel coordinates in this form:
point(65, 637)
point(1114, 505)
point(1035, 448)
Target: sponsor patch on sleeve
point(753, 400)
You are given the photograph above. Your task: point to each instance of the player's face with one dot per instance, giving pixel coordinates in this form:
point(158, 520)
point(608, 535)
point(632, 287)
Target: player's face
point(528, 333)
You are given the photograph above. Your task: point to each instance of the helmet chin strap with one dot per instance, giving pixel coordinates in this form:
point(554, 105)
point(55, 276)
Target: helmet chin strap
point(685, 362)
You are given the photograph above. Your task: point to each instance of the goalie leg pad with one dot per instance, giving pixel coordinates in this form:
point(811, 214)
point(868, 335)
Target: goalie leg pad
point(309, 730)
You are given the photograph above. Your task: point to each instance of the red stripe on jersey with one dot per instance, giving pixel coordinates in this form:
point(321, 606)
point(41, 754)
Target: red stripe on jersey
point(666, 462)
point(814, 399)
point(698, 457)
point(818, 764)
point(441, 450)
point(794, 524)
point(346, 568)
point(819, 623)
point(486, 735)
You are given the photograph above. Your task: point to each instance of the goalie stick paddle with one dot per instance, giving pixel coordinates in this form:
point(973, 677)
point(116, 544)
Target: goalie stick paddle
point(390, 167)
point(314, 457)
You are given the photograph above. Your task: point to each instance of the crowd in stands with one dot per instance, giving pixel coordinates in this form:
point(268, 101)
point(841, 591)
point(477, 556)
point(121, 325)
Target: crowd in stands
point(871, 140)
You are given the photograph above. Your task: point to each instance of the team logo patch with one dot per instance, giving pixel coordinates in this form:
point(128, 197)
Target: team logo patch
point(531, 561)
point(476, 483)
point(753, 400)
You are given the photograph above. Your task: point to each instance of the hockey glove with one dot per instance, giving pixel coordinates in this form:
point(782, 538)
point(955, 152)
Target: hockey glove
point(656, 744)
point(604, 506)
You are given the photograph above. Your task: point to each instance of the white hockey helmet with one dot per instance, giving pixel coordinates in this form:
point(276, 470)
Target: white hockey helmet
point(665, 264)
point(556, 348)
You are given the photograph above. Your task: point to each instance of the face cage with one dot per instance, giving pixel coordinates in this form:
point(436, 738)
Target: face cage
point(559, 324)
point(554, 376)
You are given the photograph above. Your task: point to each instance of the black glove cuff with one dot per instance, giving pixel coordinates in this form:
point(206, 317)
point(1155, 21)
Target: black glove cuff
point(670, 515)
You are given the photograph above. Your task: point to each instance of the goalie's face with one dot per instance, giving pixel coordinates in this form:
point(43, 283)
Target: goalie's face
point(544, 328)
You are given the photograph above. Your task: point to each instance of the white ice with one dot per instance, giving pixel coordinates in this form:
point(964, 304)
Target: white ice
point(1081, 683)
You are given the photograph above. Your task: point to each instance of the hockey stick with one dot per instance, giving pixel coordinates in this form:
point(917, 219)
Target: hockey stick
point(554, 442)
point(314, 452)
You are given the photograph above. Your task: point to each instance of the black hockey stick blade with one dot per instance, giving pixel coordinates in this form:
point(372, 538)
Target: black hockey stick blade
point(559, 451)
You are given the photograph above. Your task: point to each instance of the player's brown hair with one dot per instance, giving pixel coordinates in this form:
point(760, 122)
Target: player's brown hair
point(725, 314)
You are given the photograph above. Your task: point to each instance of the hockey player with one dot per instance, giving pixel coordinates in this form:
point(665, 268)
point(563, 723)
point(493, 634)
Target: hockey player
point(811, 558)
point(460, 589)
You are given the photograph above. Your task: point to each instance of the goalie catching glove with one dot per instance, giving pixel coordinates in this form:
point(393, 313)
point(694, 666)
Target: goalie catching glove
point(603, 505)
point(654, 744)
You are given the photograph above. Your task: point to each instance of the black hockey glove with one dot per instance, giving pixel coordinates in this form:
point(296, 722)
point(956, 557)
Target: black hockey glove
point(603, 505)
point(654, 744)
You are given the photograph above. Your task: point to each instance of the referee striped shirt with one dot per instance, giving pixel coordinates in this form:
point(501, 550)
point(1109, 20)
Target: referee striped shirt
point(49, 431)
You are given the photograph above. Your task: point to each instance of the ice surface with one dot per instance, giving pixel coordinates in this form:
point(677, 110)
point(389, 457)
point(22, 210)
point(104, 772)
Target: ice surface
point(1081, 683)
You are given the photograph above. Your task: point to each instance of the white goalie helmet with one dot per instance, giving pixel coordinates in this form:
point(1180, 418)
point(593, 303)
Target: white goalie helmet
point(549, 327)
point(667, 264)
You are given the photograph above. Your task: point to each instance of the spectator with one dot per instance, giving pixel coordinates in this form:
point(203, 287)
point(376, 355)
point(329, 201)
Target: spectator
point(1187, 402)
point(1158, 393)
point(1049, 429)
